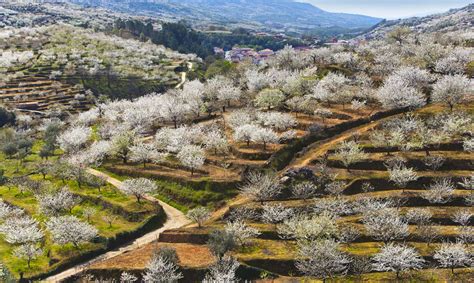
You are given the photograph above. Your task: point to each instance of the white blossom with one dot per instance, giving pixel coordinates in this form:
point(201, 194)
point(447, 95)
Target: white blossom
point(397, 258)
point(241, 232)
point(385, 224)
point(58, 202)
point(321, 259)
point(440, 191)
point(138, 187)
point(74, 138)
point(223, 271)
point(192, 156)
point(451, 255)
point(199, 215)
point(451, 90)
point(160, 269)
point(21, 230)
point(69, 229)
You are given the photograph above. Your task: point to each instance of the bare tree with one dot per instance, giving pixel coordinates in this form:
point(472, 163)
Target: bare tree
point(440, 191)
point(276, 213)
point(88, 212)
point(349, 153)
point(260, 187)
point(434, 162)
point(428, 233)
point(304, 190)
point(462, 217)
point(223, 271)
point(110, 219)
point(348, 234)
point(336, 188)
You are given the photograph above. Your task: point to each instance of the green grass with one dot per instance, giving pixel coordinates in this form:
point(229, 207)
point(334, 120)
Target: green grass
point(181, 196)
point(59, 254)
point(30, 205)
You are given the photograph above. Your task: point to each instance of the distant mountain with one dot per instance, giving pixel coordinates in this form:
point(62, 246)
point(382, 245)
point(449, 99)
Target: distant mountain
point(453, 20)
point(282, 15)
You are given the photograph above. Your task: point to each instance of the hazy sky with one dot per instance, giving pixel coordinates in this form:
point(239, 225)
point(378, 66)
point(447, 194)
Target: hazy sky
point(389, 9)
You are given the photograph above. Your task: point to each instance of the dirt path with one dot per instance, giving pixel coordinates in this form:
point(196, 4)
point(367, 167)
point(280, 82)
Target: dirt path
point(184, 75)
point(175, 219)
point(318, 149)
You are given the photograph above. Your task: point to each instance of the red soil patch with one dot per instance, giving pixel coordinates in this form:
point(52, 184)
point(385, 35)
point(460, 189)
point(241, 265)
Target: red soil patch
point(190, 256)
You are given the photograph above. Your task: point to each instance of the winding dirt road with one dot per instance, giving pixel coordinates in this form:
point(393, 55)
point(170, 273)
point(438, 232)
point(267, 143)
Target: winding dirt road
point(184, 75)
point(318, 149)
point(175, 219)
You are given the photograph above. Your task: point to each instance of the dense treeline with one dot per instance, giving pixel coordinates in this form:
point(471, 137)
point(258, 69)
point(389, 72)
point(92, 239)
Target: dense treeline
point(179, 37)
point(6, 117)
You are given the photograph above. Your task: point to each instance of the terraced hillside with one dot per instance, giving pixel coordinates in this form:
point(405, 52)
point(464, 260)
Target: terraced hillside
point(62, 67)
point(38, 94)
point(225, 170)
point(32, 181)
point(341, 162)
point(352, 198)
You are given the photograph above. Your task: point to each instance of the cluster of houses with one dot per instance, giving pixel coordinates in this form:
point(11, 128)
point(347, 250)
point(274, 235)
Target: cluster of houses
point(239, 54)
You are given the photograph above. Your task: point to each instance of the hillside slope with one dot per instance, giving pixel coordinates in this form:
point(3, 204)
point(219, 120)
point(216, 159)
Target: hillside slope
point(277, 14)
point(453, 20)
